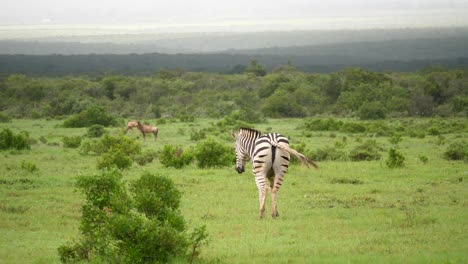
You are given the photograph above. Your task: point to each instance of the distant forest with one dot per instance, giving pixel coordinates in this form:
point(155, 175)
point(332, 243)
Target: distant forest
point(322, 52)
point(144, 64)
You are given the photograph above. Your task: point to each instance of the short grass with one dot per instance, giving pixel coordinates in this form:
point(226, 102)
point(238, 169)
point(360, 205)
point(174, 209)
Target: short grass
point(345, 212)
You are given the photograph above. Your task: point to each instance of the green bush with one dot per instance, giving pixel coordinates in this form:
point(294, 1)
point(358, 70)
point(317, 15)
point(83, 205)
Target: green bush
point(176, 157)
point(395, 139)
point(371, 110)
point(395, 158)
point(29, 166)
point(353, 128)
point(71, 142)
point(369, 150)
point(107, 143)
point(197, 135)
point(329, 124)
point(96, 131)
point(423, 158)
point(145, 158)
point(114, 159)
point(211, 154)
point(4, 118)
point(145, 226)
point(457, 151)
point(328, 153)
point(9, 140)
point(93, 115)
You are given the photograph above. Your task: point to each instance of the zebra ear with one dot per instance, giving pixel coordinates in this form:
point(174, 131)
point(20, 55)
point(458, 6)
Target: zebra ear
point(233, 135)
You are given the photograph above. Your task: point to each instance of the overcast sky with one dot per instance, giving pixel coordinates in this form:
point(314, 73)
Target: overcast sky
point(241, 14)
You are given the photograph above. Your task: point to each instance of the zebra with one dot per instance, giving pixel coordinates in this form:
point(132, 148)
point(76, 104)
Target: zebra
point(270, 154)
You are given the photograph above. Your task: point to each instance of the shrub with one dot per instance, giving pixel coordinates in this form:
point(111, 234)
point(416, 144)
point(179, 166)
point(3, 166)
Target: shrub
point(71, 142)
point(197, 135)
point(328, 153)
point(43, 139)
point(144, 158)
point(353, 128)
point(423, 158)
point(369, 150)
point(114, 159)
point(29, 166)
point(143, 226)
point(172, 156)
point(120, 143)
point(395, 139)
point(96, 131)
point(329, 124)
point(210, 154)
point(371, 110)
point(457, 151)
point(4, 118)
point(93, 115)
point(395, 158)
point(9, 140)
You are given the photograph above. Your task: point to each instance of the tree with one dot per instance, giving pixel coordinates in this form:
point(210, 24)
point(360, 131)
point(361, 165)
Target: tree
point(256, 69)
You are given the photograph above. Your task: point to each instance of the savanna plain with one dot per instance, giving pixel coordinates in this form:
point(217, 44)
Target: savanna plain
point(344, 212)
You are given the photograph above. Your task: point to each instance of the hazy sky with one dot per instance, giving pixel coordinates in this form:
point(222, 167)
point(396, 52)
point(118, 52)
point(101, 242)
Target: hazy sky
point(236, 14)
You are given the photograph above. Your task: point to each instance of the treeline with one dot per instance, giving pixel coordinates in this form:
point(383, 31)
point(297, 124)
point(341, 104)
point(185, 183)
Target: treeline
point(250, 96)
point(143, 64)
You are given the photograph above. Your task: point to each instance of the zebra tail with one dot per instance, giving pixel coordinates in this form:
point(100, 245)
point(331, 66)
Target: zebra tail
point(306, 161)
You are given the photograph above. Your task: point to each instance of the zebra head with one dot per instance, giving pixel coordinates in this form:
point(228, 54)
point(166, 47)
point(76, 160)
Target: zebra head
point(244, 138)
point(241, 152)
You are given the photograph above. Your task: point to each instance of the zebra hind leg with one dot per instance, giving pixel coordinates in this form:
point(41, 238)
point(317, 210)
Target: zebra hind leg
point(278, 181)
point(262, 189)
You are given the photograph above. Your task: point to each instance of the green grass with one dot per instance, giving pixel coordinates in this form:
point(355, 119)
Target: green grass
point(345, 212)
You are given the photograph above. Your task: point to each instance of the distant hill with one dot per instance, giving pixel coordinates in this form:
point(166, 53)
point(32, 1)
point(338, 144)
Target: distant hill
point(215, 42)
point(380, 50)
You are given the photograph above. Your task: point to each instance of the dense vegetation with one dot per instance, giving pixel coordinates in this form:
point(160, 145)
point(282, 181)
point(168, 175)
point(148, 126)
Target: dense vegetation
point(284, 92)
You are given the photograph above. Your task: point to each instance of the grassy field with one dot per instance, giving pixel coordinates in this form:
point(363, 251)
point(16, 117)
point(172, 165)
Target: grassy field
point(345, 212)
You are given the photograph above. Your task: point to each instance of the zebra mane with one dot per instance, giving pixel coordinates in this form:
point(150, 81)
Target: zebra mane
point(249, 130)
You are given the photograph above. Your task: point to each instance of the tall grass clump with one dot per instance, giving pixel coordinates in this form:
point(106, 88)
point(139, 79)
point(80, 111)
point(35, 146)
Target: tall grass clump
point(10, 140)
point(141, 224)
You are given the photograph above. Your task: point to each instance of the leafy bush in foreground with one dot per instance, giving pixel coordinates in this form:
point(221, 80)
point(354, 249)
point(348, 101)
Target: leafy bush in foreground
point(143, 226)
